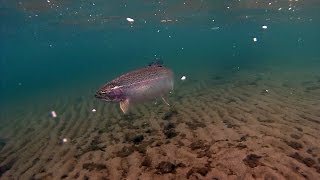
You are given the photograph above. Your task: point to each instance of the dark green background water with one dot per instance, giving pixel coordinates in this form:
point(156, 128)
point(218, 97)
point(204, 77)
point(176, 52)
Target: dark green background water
point(53, 52)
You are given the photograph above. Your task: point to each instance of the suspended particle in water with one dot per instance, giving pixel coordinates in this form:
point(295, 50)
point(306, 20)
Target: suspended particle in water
point(267, 90)
point(255, 39)
point(215, 28)
point(130, 20)
point(264, 27)
point(64, 140)
point(93, 110)
point(183, 78)
point(53, 114)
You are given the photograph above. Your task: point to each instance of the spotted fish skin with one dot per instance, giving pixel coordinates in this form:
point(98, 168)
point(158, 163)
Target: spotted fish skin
point(138, 86)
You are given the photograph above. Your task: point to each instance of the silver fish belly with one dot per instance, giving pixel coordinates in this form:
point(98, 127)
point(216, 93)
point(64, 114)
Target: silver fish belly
point(138, 86)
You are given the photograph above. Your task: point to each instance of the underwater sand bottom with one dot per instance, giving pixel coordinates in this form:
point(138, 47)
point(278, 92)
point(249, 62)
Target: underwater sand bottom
point(250, 126)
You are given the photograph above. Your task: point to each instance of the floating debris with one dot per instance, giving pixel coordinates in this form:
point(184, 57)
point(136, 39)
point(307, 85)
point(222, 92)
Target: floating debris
point(53, 114)
point(215, 28)
point(130, 20)
point(93, 110)
point(64, 140)
point(255, 39)
point(165, 20)
point(183, 78)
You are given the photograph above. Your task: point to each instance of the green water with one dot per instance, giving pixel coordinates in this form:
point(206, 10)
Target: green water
point(44, 48)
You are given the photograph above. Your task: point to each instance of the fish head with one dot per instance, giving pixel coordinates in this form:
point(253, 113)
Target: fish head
point(110, 92)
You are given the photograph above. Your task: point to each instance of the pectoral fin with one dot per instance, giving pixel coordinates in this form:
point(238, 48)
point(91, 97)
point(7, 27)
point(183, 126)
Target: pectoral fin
point(165, 101)
point(124, 106)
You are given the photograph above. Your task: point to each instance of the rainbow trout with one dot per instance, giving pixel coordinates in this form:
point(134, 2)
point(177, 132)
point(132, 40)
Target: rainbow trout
point(136, 86)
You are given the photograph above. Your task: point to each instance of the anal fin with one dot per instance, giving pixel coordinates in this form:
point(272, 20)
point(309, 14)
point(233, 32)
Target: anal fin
point(124, 106)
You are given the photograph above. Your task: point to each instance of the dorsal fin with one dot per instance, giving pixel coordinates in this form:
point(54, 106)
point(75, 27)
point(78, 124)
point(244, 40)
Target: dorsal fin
point(157, 62)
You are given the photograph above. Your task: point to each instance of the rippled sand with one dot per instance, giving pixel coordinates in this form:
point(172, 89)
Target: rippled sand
point(247, 125)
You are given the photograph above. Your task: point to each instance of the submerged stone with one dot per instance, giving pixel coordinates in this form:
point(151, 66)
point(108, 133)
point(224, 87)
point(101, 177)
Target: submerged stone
point(137, 139)
point(6, 167)
point(169, 126)
point(297, 156)
point(252, 160)
point(197, 145)
point(309, 162)
point(146, 162)
point(241, 146)
point(294, 145)
point(169, 114)
point(125, 151)
point(170, 133)
point(295, 136)
point(202, 171)
point(93, 166)
point(142, 148)
point(166, 167)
